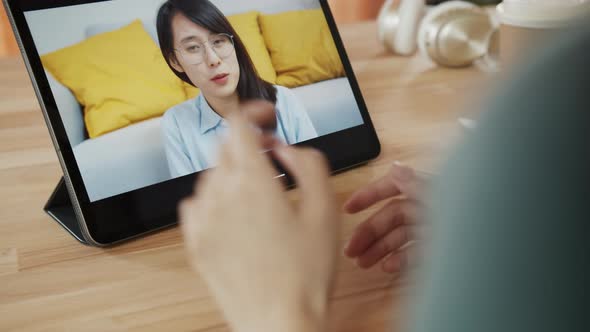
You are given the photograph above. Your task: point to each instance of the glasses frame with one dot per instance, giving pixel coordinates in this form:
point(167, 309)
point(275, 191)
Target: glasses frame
point(207, 44)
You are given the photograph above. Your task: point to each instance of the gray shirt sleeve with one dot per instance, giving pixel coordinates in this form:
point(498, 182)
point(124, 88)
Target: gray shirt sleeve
point(511, 208)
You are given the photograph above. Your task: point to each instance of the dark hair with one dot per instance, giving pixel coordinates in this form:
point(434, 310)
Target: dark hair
point(206, 15)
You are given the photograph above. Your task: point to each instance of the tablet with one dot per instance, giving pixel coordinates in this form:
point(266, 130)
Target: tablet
point(135, 95)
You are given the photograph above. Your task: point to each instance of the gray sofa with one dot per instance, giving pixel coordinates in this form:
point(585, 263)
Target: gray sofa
point(133, 157)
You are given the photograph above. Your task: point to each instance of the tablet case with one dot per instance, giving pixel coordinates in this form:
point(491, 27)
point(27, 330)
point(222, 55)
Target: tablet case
point(60, 208)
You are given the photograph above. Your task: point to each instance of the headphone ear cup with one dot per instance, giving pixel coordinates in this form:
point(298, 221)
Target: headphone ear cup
point(410, 15)
point(387, 23)
point(433, 21)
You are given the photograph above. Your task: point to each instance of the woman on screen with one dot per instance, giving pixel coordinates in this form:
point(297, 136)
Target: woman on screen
point(201, 48)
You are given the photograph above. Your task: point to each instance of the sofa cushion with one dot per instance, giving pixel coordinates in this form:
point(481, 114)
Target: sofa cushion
point(120, 77)
point(123, 160)
point(331, 105)
point(70, 111)
point(301, 47)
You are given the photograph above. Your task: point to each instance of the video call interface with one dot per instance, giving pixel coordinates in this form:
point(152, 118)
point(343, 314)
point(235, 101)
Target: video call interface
point(142, 86)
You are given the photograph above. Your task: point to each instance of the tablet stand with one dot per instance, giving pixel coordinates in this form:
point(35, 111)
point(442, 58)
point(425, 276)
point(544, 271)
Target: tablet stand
point(59, 207)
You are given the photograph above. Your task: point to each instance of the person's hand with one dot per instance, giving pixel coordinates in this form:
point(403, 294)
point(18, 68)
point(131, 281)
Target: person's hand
point(387, 235)
point(268, 262)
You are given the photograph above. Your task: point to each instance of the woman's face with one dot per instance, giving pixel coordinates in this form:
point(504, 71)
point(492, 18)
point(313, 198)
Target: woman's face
point(217, 76)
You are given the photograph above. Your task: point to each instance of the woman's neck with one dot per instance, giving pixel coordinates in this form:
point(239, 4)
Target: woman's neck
point(224, 106)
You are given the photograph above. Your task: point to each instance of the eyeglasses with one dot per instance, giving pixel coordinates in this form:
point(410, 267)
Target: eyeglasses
point(193, 52)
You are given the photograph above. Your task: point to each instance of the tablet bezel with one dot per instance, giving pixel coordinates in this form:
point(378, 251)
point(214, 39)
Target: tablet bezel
point(147, 209)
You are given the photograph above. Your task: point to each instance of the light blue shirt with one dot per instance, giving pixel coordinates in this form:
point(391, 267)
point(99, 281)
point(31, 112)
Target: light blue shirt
point(193, 131)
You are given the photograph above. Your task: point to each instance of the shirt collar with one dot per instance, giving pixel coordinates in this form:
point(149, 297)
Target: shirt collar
point(209, 119)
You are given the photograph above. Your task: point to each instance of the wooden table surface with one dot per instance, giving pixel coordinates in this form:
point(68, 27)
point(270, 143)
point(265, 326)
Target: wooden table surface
point(48, 281)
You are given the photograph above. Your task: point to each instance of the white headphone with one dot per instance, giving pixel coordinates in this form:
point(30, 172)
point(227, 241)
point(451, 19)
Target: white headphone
point(452, 34)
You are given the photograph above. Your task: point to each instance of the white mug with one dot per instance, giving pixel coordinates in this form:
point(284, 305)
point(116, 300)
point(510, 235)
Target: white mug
point(525, 23)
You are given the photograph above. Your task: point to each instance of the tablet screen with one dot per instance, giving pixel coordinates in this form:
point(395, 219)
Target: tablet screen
point(143, 87)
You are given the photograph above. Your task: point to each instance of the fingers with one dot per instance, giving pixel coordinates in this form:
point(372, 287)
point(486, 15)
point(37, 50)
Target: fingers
point(384, 233)
point(400, 260)
point(374, 228)
point(371, 194)
point(406, 179)
point(186, 216)
point(242, 142)
point(310, 171)
point(374, 192)
point(261, 114)
point(395, 262)
point(242, 150)
point(268, 141)
point(399, 180)
point(390, 243)
point(245, 143)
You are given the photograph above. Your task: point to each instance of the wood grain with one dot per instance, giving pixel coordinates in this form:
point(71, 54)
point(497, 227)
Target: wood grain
point(49, 282)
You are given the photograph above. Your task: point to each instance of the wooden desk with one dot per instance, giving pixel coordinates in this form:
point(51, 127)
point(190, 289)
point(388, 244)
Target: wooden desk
point(48, 281)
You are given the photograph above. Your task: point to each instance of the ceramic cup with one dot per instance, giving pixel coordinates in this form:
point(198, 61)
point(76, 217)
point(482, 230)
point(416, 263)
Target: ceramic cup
point(525, 24)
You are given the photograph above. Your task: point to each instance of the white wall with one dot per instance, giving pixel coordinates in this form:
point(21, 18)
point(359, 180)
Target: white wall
point(56, 28)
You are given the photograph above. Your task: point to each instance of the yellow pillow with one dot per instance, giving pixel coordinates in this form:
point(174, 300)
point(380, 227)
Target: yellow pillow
point(120, 77)
point(246, 26)
point(301, 47)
